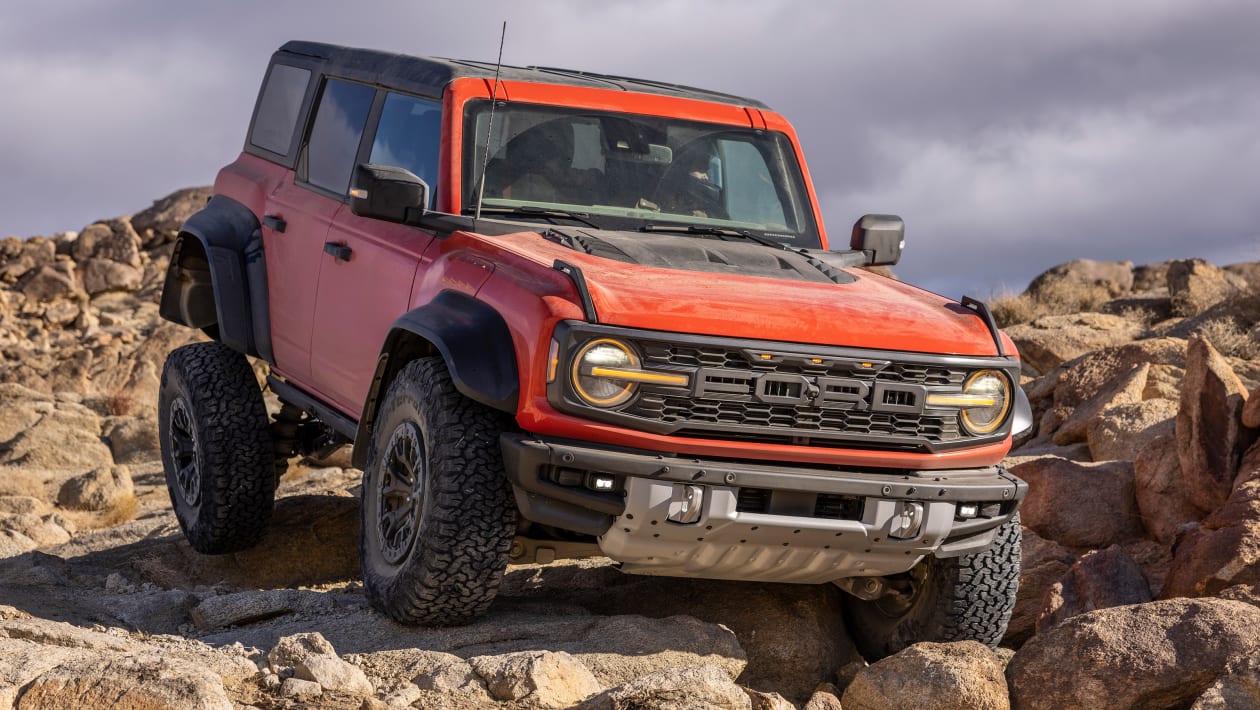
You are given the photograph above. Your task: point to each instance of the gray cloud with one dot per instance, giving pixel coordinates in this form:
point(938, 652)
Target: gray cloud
point(1010, 136)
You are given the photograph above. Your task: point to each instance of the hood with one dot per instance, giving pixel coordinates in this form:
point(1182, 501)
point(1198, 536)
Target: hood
point(745, 290)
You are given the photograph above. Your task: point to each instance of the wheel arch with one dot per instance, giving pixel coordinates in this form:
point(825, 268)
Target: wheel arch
point(474, 342)
point(217, 278)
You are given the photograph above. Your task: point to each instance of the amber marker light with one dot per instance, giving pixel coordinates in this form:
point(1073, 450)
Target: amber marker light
point(553, 362)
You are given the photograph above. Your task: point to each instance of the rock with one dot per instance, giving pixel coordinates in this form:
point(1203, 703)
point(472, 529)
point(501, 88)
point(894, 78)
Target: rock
point(113, 240)
point(301, 690)
point(1125, 389)
point(544, 678)
point(99, 489)
point(1083, 378)
point(1044, 562)
point(1195, 285)
point(102, 275)
point(333, 675)
point(1076, 504)
point(145, 681)
point(160, 223)
point(1164, 382)
point(1239, 688)
point(46, 435)
point(23, 505)
point(1160, 654)
point(132, 439)
point(51, 281)
point(1050, 341)
point(1140, 310)
point(1062, 283)
point(694, 688)
point(827, 697)
point(1100, 579)
point(13, 543)
point(1121, 432)
point(768, 701)
point(1251, 410)
point(1224, 550)
point(292, 650)
point(964, 675)
point(1160, 489)
point(61, 313)
point(1210, 440)
point(43, 531)
point(1150, 277)
point(1246, 593)
point(244, 608)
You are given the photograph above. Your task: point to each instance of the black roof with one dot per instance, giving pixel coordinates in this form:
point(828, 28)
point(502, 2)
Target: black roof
point(430, 75)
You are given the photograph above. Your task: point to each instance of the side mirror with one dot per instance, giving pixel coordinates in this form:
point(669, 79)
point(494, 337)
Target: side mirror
point(388, 193)
point(881, 237)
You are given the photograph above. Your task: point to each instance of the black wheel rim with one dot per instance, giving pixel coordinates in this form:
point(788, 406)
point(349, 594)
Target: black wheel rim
point(183, 444)
point(400, 493)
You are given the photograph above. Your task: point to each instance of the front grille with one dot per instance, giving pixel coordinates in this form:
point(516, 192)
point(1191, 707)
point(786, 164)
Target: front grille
point(791, 394)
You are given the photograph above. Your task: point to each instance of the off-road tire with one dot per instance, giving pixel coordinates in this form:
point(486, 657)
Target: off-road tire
point(216, 448)
point(444, 448)
point(954, 599)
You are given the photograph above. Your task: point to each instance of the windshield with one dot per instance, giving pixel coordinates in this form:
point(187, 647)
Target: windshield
point(628, 171)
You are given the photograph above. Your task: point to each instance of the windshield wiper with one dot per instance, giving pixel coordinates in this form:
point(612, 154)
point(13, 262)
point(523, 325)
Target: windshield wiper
point(723, 232)
point(544, 212)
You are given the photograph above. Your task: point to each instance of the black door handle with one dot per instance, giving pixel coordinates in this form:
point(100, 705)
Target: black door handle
point(340, 251)
point(275, 223)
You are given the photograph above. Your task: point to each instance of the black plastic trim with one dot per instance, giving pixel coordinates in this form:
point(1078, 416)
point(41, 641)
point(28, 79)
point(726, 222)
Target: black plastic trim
point(231, 239)
point(579, 282)
point(338, 422)
point(981, 309)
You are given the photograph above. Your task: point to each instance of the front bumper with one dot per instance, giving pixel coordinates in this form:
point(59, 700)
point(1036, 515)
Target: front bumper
point(756, 521)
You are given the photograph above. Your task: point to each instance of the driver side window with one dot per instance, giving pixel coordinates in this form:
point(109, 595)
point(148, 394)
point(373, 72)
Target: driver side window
point(409, 135)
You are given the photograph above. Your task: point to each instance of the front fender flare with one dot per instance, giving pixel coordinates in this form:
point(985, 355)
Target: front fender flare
point(473, 340)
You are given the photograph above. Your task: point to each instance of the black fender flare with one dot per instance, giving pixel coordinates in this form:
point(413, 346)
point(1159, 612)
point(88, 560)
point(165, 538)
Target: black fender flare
point(233, 278)
point(473, 340)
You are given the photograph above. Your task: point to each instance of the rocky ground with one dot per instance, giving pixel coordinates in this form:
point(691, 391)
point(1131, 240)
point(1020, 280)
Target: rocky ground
point(1141, 583)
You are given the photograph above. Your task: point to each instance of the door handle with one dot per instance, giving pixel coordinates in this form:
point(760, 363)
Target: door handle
point(274, 222)
point(339, 251)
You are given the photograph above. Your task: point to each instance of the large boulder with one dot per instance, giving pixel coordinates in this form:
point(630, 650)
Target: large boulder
point(1080, 279)
point(1051, 341)
point(1125, 389)
point(1161, 490)
point(1239, 688)
point(1121, 432)
point(1210, 437)
point(101, 275)
point(964, 675)
point(1100, 579)
point(160, 222)
point(1251, 410)
point(542, 678)
point(98, 490)
point(113, 240)
point(145, 681)
point(51, 281)
point(694, 688)
point(1078, 504)
point(1225, 550)
point(1043, 563)
point(1084, 377)
point(1160, 654)
point(1196, 285)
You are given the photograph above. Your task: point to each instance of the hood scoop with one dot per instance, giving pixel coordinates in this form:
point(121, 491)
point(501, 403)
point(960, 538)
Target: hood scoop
point(703, 254)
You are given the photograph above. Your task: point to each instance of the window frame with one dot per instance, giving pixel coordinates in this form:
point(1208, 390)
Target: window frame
point(374, 119)
point(289, 158)
point(302, 166)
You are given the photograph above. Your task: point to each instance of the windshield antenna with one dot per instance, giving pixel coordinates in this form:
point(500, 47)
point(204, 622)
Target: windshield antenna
point(494, 98)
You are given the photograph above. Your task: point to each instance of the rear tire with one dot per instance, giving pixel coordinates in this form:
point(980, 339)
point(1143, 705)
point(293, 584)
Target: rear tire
point(438, 516)
point(216, 449)
point(951, 599)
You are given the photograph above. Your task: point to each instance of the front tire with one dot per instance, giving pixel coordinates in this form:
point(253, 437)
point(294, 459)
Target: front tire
point(438, 516)
point(951, 599)
point(216, 449)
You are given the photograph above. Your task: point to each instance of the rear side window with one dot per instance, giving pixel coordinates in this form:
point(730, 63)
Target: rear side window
point(278, 108)
point(409, 135)
point(334, 142)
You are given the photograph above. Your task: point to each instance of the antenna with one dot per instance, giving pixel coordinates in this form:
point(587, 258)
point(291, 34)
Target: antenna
point(494, 98)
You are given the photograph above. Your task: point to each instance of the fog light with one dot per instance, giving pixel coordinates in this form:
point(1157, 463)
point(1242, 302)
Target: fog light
point(684, 505)
point(968, 510)
point(601, 482)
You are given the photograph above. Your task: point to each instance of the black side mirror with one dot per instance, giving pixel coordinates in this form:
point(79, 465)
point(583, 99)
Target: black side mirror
point(388, 193)
point(881, 237)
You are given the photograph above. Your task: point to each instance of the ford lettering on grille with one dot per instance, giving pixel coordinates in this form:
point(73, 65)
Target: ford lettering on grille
point(810, 391)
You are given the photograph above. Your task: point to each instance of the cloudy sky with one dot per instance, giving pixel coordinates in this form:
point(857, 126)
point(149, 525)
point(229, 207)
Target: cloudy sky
point(1010, 136)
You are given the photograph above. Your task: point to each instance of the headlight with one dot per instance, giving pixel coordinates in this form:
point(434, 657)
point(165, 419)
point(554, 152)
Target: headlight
point(593, 361)
point(992, 400)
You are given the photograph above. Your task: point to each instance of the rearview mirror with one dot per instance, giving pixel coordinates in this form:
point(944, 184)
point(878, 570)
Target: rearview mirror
point(881, 237)
point(388, 193)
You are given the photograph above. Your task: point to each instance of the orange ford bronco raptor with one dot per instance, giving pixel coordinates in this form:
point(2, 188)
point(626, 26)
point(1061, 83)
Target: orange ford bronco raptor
point(563, 314)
